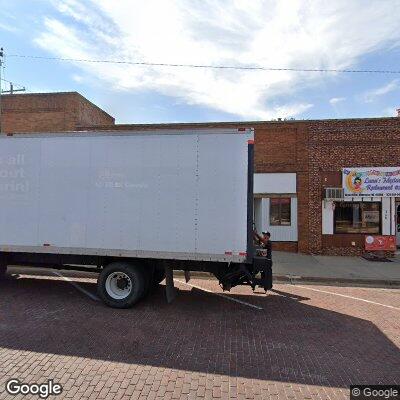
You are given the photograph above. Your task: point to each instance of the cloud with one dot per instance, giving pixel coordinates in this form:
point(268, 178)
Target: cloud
point(371, 95)
point(287, 33)
point(389, 112)
point(8, 28)
point(8, 21)
point(77, 78)
point(334, 100)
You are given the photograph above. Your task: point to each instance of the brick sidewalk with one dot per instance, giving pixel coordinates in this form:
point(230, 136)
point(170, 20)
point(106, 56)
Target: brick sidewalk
point(303, 344)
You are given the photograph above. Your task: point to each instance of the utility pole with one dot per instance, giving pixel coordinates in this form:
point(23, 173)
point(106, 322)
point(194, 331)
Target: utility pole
point(1, 65)
point(12, 90)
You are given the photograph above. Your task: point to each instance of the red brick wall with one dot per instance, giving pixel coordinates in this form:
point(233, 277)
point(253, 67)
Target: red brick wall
point(89, 114)
point(283, 147)
point(345, 143)
point(47, 112)
point(292, 247)
point(275, 149)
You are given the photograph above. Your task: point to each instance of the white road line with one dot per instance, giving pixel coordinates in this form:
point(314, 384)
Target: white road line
point(220, 295)
point(76, 286)
point(349, 297)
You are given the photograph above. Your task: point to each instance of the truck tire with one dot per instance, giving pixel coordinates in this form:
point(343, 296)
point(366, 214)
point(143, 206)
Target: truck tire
point(121, 285)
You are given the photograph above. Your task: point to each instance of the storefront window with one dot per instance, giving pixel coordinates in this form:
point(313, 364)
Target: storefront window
point(279, 211)
point(357, 217)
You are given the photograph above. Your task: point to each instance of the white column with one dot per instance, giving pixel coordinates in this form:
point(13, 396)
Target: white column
point(258, 215)
point(265, 214)
point(386, 216)
point(327, 217)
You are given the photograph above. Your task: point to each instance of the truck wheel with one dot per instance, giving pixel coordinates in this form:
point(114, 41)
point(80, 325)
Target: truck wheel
point(121, 285)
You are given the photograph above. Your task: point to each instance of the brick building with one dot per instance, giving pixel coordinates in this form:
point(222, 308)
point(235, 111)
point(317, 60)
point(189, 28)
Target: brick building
point(46, 112)
point(295, 163)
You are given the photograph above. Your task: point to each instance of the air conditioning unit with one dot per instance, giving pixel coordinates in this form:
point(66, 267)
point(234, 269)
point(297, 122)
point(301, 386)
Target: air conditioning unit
point(334, 194)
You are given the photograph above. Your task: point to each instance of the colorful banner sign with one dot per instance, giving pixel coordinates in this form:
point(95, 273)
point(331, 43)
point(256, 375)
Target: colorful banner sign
point(371, 182)
point(376, 243)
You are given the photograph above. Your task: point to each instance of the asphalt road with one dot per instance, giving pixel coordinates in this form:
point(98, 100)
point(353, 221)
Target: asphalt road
point(298, 342)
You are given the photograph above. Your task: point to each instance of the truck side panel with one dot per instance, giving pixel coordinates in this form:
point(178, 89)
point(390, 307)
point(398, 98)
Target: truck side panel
point(222, 194)
point(180, 196)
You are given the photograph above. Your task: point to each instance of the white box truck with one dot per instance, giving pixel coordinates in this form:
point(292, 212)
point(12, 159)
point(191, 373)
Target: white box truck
point(132, 206)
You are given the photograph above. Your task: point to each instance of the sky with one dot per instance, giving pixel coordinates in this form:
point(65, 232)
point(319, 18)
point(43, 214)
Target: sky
point(300, 34)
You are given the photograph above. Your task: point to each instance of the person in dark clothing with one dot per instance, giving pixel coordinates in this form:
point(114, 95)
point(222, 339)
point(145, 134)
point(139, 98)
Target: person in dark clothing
point(266, 241)
point(266, 251)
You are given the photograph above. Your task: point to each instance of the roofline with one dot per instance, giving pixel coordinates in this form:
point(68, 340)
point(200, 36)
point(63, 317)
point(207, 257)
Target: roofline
point(95, 106)
point(235, 123)
point(38, 94)
point(73, 93)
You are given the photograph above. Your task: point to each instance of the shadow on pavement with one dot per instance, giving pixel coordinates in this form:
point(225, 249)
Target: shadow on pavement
point(288, 341)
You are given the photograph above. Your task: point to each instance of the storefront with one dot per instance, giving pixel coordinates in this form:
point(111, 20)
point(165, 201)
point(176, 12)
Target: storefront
point(364, 205)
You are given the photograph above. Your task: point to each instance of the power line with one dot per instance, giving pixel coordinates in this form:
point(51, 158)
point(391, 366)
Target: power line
point(12, 83)
point(205, 66)
point(3, 79)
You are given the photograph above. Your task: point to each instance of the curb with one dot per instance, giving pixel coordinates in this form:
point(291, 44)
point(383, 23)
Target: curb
point(361, 282)
point(293, 279)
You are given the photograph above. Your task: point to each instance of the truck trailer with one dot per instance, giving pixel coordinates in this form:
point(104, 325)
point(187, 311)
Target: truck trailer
point(131, 205)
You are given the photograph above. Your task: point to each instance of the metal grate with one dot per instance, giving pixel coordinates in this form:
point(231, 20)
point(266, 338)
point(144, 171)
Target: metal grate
point(334, 194)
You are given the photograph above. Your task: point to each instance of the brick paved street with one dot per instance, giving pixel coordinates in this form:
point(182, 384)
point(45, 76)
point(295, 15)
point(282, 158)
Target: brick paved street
point(305, 343)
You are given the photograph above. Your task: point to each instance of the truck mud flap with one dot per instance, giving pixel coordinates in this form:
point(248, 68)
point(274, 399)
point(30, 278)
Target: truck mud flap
point(170, 290)
point(263, 265)
point(187, 276)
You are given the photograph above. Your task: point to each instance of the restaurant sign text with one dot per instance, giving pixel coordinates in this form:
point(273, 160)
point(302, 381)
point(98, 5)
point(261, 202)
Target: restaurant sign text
point(371, 181)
